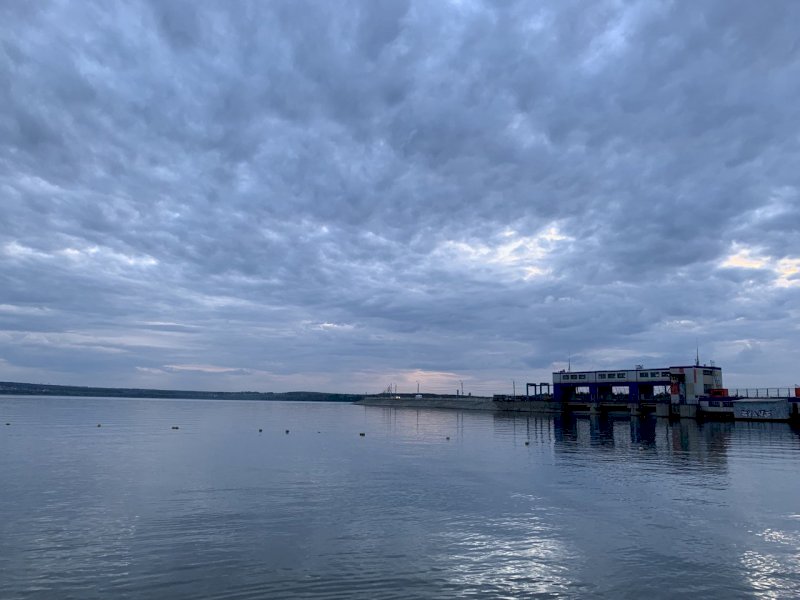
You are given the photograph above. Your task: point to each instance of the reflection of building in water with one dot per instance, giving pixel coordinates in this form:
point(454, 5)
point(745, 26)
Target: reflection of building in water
point(686, 441)
point(643, 431)
point(695, 444)
point(706, 443)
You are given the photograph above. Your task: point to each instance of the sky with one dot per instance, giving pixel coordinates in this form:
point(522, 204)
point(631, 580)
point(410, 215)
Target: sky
point(339, 196)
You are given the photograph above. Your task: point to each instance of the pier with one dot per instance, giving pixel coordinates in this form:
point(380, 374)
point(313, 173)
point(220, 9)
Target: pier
point(693, 392)
point(676, 392)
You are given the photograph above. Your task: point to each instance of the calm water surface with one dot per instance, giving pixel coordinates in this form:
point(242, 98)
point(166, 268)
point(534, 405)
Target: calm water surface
point(215, 509)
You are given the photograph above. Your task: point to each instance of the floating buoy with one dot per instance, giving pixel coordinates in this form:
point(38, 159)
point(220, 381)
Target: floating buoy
point(260, 430)
point(175, 427)
point(527, 443)
point(8, 423)
point(362, 434)
point(99, 425)
point(448, 437)
point(287, 432)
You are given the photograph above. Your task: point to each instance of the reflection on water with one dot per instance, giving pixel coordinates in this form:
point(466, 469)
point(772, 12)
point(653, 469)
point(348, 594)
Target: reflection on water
point(702, 445)
point(429, 503)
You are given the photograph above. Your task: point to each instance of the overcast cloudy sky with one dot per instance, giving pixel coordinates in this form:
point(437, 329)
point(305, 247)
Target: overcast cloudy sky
point(340, 195)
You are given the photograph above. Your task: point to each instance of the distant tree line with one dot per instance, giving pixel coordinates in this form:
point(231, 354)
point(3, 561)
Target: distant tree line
point(36, 389)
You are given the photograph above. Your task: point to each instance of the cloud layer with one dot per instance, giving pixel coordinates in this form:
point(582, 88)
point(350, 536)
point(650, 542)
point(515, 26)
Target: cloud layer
point(338, 196)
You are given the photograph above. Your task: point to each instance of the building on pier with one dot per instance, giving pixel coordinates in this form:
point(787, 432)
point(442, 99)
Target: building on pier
point(677, 385)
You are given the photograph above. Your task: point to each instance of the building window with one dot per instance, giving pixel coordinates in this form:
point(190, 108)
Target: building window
point(665, 373)
point(644, 375)
point(707, 372)
point(601, 376)
point(654, 374)
point(581, 376)
point(620, 375)
point(573, 376)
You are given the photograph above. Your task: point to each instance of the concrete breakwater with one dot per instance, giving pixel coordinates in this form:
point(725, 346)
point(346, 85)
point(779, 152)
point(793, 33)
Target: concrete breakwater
point(459, 403)
point(405, 401)
point(764, 409)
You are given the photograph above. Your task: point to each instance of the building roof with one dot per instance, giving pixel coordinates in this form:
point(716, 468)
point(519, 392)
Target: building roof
point(642, 369)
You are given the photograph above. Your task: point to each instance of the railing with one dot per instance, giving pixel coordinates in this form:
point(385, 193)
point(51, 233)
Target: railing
point(779, 392)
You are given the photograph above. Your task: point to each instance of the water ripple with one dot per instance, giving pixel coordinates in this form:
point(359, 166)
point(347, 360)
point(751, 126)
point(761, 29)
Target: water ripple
point(426, 504)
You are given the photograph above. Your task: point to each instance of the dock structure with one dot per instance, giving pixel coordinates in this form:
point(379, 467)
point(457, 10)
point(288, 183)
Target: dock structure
point(688, 392)
point(676, 391)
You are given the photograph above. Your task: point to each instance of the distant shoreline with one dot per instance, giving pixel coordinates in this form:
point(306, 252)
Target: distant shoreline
point(10, 388)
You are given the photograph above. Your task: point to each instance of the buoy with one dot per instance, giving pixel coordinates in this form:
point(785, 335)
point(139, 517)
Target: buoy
point(527, 443)
point(8, 423)
point(175, 427)
point(287, 432)
point(448, 437)
point(260, 430)
point(99, 425)
point(362, 434)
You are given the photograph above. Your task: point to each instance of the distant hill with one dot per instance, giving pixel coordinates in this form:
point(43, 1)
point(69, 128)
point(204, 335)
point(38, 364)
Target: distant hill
point(37, 389)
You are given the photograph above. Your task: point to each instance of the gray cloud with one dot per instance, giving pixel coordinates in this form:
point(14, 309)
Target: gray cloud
point(306, 195)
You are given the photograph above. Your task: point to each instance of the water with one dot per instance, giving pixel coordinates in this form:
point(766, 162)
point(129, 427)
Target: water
point(215, 509)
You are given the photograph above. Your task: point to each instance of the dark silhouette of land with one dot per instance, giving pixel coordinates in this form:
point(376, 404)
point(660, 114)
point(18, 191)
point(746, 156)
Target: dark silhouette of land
point(38, 389)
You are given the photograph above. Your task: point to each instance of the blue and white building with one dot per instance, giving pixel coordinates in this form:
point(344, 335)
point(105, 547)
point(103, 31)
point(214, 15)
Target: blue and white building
point(680, 385)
